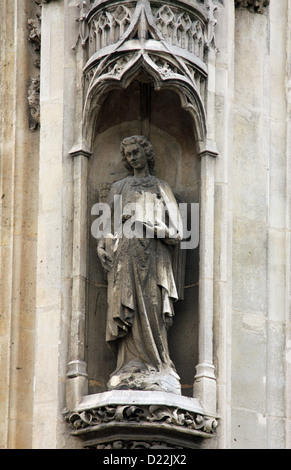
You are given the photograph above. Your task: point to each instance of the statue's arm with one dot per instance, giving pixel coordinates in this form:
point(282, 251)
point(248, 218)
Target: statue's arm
point(105, 258)
point(170, 230)
point(104, 253)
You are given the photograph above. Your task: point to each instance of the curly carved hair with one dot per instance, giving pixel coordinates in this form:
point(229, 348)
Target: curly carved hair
point(147, 147)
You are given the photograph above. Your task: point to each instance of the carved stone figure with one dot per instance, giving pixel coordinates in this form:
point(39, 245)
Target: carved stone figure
point(142, 279)
point(33, 103)
point(34, 37)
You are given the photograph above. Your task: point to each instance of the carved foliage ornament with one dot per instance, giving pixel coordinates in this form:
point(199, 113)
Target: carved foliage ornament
point(34, 37)
point(33, 103)
point(258, 6)
point(124, 445)
point(39, 2)
point(142, 414)
point(34, 25)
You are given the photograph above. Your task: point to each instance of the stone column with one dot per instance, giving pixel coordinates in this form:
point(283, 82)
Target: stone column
point(205, 381)
point(77, 377)
point(77, 383)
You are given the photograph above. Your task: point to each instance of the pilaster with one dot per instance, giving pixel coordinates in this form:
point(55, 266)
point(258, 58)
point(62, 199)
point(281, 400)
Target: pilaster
point(18, 233)
point(205, 380)
point(50, 292)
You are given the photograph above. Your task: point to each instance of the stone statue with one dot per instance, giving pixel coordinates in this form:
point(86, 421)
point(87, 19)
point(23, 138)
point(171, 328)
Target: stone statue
point(142, 282)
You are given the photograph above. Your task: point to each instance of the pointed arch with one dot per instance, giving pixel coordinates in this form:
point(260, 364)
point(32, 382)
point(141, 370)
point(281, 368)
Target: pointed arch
point(166, 73)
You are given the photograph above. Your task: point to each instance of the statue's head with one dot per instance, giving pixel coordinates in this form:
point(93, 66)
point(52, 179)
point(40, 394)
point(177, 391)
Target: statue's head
point(144, 143)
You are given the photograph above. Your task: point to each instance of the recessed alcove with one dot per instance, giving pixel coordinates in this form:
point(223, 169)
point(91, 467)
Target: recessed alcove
point(140, 109)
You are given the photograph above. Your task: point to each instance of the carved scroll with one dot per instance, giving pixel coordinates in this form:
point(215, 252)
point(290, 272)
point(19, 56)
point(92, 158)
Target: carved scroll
point(141, 414)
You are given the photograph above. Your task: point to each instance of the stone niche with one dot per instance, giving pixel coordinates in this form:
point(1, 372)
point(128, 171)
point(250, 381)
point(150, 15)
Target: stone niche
point(171, 134)
point(145, 73)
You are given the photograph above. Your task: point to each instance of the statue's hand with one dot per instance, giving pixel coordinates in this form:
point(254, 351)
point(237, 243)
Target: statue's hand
point(161, 231)
point(168, 321)
point(106, 260)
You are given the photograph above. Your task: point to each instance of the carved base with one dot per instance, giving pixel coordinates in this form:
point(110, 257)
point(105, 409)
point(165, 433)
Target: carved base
point(141, 378)
point(140, 420)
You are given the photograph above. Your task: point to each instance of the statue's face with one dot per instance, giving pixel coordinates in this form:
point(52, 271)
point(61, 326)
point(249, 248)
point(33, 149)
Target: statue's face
point(135, 155)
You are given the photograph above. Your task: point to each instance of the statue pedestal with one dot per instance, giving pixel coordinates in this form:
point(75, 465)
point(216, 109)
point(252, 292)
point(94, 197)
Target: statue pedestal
point(127, 419)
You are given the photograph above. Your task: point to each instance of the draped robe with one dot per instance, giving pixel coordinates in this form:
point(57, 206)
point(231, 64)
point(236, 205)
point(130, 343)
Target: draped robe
point(141, 290)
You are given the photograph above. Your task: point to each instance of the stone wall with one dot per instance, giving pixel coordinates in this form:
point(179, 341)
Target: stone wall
point(44, 182)
point(261, 224)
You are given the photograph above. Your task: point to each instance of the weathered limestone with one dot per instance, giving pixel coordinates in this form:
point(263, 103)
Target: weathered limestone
point(205, 381)
point(222, 301)
point(288, 239)
point(19, 151)
point(236, 338)
point(140, 305)
point(260, 242)
point(54, 254)
point(145, 24)
point(141, 417)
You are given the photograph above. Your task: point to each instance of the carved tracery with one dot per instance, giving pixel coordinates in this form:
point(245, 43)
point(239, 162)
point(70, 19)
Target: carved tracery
point(170, 42)
point(107, 27)
point(179, 29)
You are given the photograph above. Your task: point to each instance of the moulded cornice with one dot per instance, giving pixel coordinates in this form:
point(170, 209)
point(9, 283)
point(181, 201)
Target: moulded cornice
point(41, 2)
point(257, 6)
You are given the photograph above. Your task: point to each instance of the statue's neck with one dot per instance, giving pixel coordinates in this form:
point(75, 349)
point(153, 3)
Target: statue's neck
point(141, 172)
